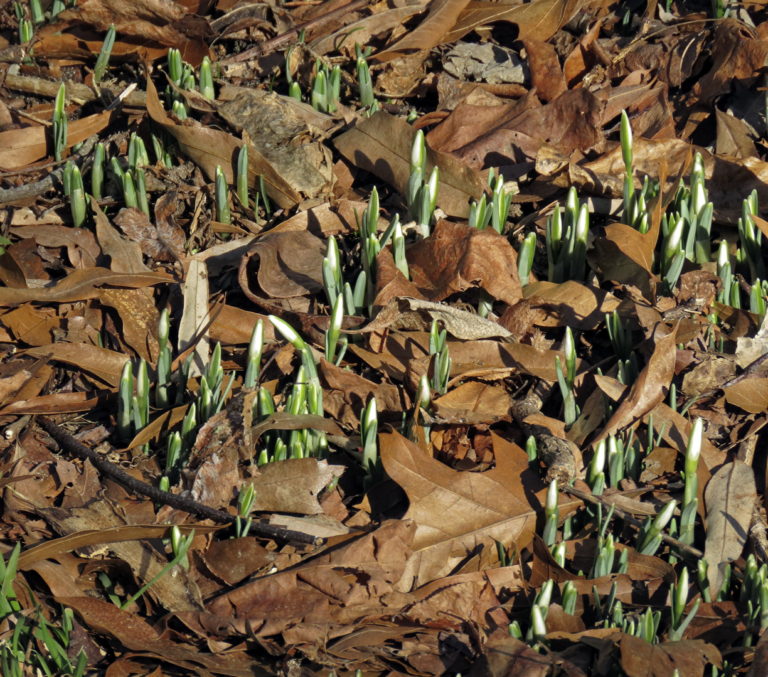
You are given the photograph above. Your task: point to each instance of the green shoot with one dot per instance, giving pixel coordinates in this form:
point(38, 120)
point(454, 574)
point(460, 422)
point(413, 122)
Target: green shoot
point(223, 215)
point(59, 126)
point(102, 61)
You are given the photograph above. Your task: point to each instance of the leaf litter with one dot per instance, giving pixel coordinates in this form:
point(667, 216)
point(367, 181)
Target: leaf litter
point(443, 554)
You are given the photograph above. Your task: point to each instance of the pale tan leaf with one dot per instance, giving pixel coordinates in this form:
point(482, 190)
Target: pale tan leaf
point(195, 317)
point(730, 499)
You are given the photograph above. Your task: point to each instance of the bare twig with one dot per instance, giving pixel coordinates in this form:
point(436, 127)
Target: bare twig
point(276, 43)
point(76, 91)
point(599, 500)
point(36, 188)
point(76, 448)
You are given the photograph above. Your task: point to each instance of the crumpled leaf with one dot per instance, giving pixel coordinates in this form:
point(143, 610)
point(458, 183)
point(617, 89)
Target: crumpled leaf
point(456, 257)
point(289, 263)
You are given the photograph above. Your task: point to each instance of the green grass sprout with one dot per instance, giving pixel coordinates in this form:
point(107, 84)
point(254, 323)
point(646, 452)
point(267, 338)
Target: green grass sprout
point(102, 61)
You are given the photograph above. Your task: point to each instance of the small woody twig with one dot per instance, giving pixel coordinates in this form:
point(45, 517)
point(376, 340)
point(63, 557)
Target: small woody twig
point(76, 448)
point(598, 500)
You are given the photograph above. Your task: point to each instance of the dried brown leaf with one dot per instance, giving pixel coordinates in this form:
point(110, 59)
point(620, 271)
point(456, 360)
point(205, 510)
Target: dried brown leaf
point(289, 264)
point(546, 74)
point(210, 148)
point(456, 512)
point(689, 657)
point(570, 304)
point(124, 255)
point(737, 53)
point(293, 485)
point(649, 388)
point(429, 33)
point(105, 364)
point(539, 19)
point(382, 145)
point(456, 257)
point(81, 285)
point(21, 147)
point(284, 133)
point(733, 136)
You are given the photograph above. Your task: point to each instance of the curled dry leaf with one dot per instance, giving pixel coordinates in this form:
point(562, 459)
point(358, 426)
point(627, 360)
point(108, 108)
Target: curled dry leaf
point(289, 264)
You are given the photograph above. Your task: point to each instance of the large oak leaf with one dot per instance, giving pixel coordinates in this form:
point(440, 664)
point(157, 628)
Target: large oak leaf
point(459, 514)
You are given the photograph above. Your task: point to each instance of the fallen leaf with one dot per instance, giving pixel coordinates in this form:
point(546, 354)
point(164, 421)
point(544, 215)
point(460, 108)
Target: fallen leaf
point(730, 499)
point(81, 285)
point(648, 390)
point(456, 257)
point(429, 33)
point(689, 657)
point(539, 19)
point(293, 485)
point(382, 145)
point(457, 513)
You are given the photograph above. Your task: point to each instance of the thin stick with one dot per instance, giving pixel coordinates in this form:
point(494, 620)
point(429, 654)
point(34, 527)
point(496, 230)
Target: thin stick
point(27, 190)
point(289, 36)
point(76, 448)
point(599, 500)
